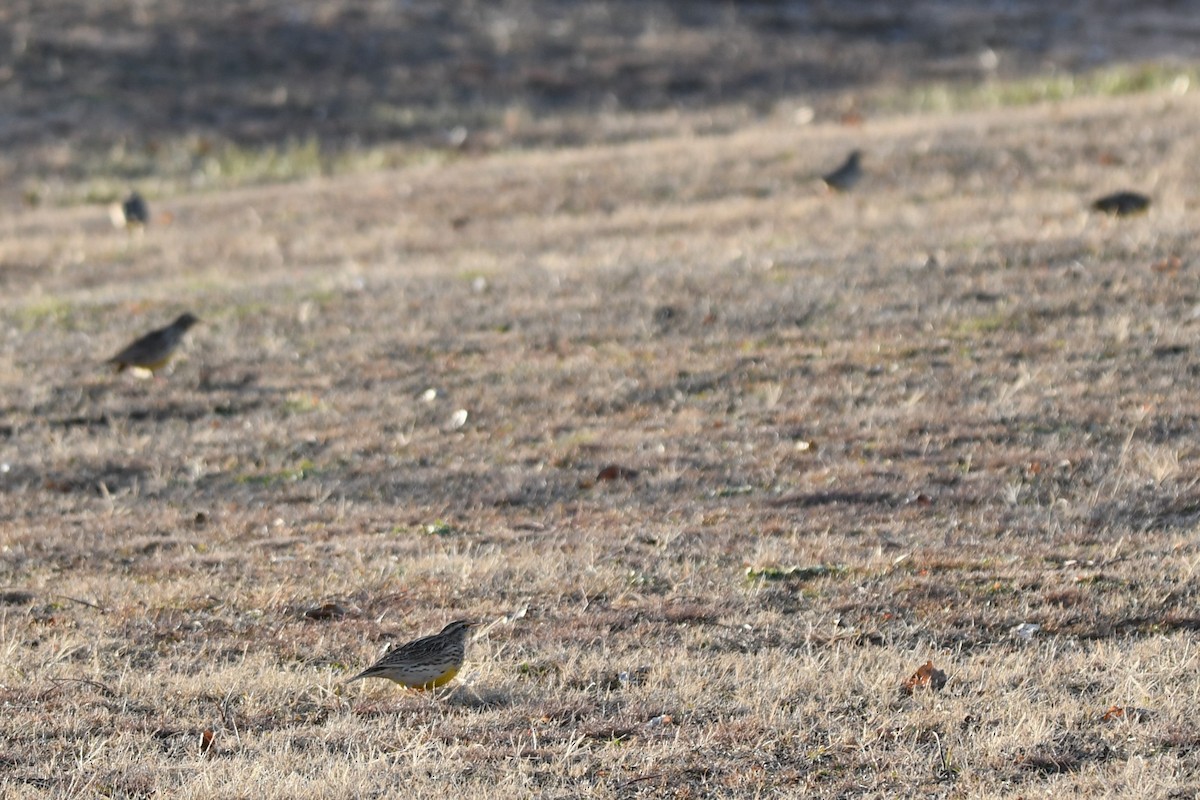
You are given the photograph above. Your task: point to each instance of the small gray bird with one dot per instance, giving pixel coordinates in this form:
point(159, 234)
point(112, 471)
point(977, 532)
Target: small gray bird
point(844, 177)
point(152, 351)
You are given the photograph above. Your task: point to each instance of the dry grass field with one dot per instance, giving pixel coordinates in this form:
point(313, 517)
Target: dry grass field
point(719, 460)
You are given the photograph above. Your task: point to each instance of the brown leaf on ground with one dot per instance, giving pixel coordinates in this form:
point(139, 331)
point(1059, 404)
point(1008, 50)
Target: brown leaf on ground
point(615, 472)
point(206, 742)
point(1131, 713)
point(927, 676)
point(326, 611)
point(1168, 266)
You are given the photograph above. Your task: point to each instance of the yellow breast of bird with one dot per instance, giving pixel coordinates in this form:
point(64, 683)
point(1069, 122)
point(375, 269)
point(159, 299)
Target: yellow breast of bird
point(155, 366)
point(429, 679)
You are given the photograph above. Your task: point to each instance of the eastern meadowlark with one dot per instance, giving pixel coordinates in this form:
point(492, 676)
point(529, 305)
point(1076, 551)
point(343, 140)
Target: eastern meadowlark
point(426, 663)
point(152, 351)
point(844, 177)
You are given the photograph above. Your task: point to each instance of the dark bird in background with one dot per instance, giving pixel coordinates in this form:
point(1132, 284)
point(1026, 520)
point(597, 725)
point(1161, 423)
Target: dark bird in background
point(154, 350)
point(849, 173)
point(132, 213)
point(1122, 204)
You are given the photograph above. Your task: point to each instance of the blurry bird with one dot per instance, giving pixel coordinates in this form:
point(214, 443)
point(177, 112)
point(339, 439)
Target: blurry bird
point(152, 351)
point(1122, 204)
point(136, 212)
point(132, 213)
point(425, 663)
point(844, 177)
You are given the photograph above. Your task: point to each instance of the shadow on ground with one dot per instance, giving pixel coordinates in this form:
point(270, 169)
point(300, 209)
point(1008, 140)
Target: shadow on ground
point(79, 77)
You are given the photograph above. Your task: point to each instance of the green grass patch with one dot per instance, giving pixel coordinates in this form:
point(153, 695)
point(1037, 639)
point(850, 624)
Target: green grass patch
point(1111, 81)
point(44, 312)
point(794, 573)
point(298, 472)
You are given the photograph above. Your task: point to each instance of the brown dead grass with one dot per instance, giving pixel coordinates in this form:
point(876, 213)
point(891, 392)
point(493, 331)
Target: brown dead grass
point(869, 431)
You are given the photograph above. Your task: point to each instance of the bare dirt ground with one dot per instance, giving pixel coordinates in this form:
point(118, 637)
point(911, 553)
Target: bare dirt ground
point(718, 458)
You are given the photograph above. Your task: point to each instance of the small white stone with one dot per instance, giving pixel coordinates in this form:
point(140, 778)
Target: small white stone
point(1026, 630)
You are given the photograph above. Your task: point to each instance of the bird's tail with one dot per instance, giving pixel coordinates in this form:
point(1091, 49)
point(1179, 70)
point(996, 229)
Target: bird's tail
point(366, 673)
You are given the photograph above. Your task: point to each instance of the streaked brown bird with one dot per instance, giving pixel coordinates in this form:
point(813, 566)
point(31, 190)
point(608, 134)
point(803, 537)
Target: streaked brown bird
point(152, 351)
point(425, 663)
point(849, 173)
